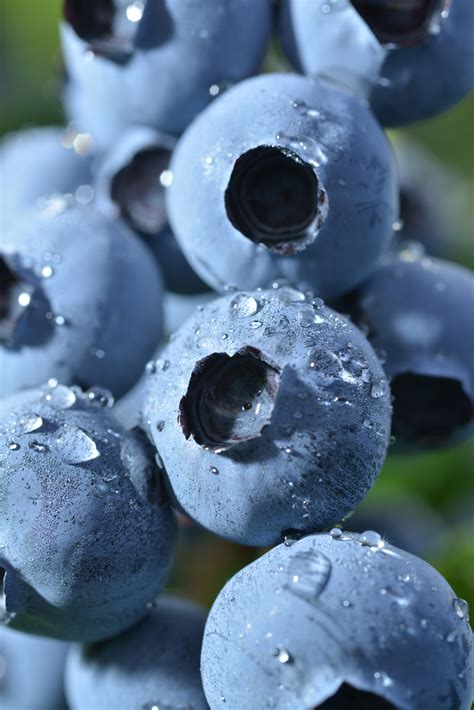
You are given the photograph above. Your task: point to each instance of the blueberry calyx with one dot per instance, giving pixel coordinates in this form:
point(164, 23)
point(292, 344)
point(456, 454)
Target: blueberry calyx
point(402, 24)
point(230, 399)
point(21, 302)
point(350, 698)
point(109, 27)
point(138, 189)
point(276, 199)
point(439, 408)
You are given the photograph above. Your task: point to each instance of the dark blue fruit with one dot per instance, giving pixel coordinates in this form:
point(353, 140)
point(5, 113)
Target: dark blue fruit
point(434, 202)
point(283, 177)
point(39, 162)
point(131, 185)
point(412, 60)
point(31, 672)
point(80, 300)
point(157, 63)
point(86, 531)
point(270, 413)
point(418, 313)
point(155, 664)
point(338, 621)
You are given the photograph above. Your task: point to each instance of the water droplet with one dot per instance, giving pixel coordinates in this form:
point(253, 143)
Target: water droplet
point(370, 538)
point(59, 396)
point(160, 425)
point(255, 324)
point(461, 607)
point(335, 533)
point(150, 367)
point(29, 424)
point(163, 364)
point(134, 11)
point(214, 470)
point(346, 603)
point(309, 574)
point(451, 637)
point(47, 272)
point(411, 251)
point(13, 446)
point(306, 316)
point(100, 396)
point(38, 447)
point(244, 305)
point(97, 352)
point(282, 655)
point(75, 446)
point(378, 389)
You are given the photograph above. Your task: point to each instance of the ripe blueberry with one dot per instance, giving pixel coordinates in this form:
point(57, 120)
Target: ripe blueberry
point(131, 184)
point(418, 313)
point(277, 179)
point(269, 412)
point(39, 162)
point(31, 672)
point(159, 64)
point(86, 531)
point(412, 60)
point(80, 300)
point(338, 621)
point(153, 664)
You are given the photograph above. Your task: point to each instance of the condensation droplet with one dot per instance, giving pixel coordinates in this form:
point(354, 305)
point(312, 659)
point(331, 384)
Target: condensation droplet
point(461, 607)
point(75, 446)
point(282, 655)
point(29, 424)
point(59, 396)
point(378, 389)
point(370, 538)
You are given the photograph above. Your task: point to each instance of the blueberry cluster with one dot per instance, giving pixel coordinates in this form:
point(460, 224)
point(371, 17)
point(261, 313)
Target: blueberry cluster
point(171, 249)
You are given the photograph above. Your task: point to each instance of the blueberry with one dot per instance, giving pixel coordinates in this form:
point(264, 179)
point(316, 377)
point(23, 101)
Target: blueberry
point(434, 72)
point(80, 300)
point(154, 664)
point(412, 60)
point(131, 184)
point(157, 64)
point(277, 179)
point(86, 531)
point(338, 621)
point(419, 314)
point(40, 162)
point(434, 202)
point(269, 412)
point(31, 672)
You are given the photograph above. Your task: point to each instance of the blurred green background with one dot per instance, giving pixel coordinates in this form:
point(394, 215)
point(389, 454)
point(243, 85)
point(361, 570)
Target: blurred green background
point(428, 499)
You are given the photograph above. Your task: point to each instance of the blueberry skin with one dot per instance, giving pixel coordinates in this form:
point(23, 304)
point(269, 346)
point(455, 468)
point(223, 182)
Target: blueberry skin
point(39, 162)
point(182, 53)
point(431, 77)
point(288, 630)
point(289, 433)
point(86, 531)
point(315, 122)
point(155, 663)
point(434, 202)
point(404, 82)
point(31, 676)
point(419, 313)
point(89, 280)
point(130, 184)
